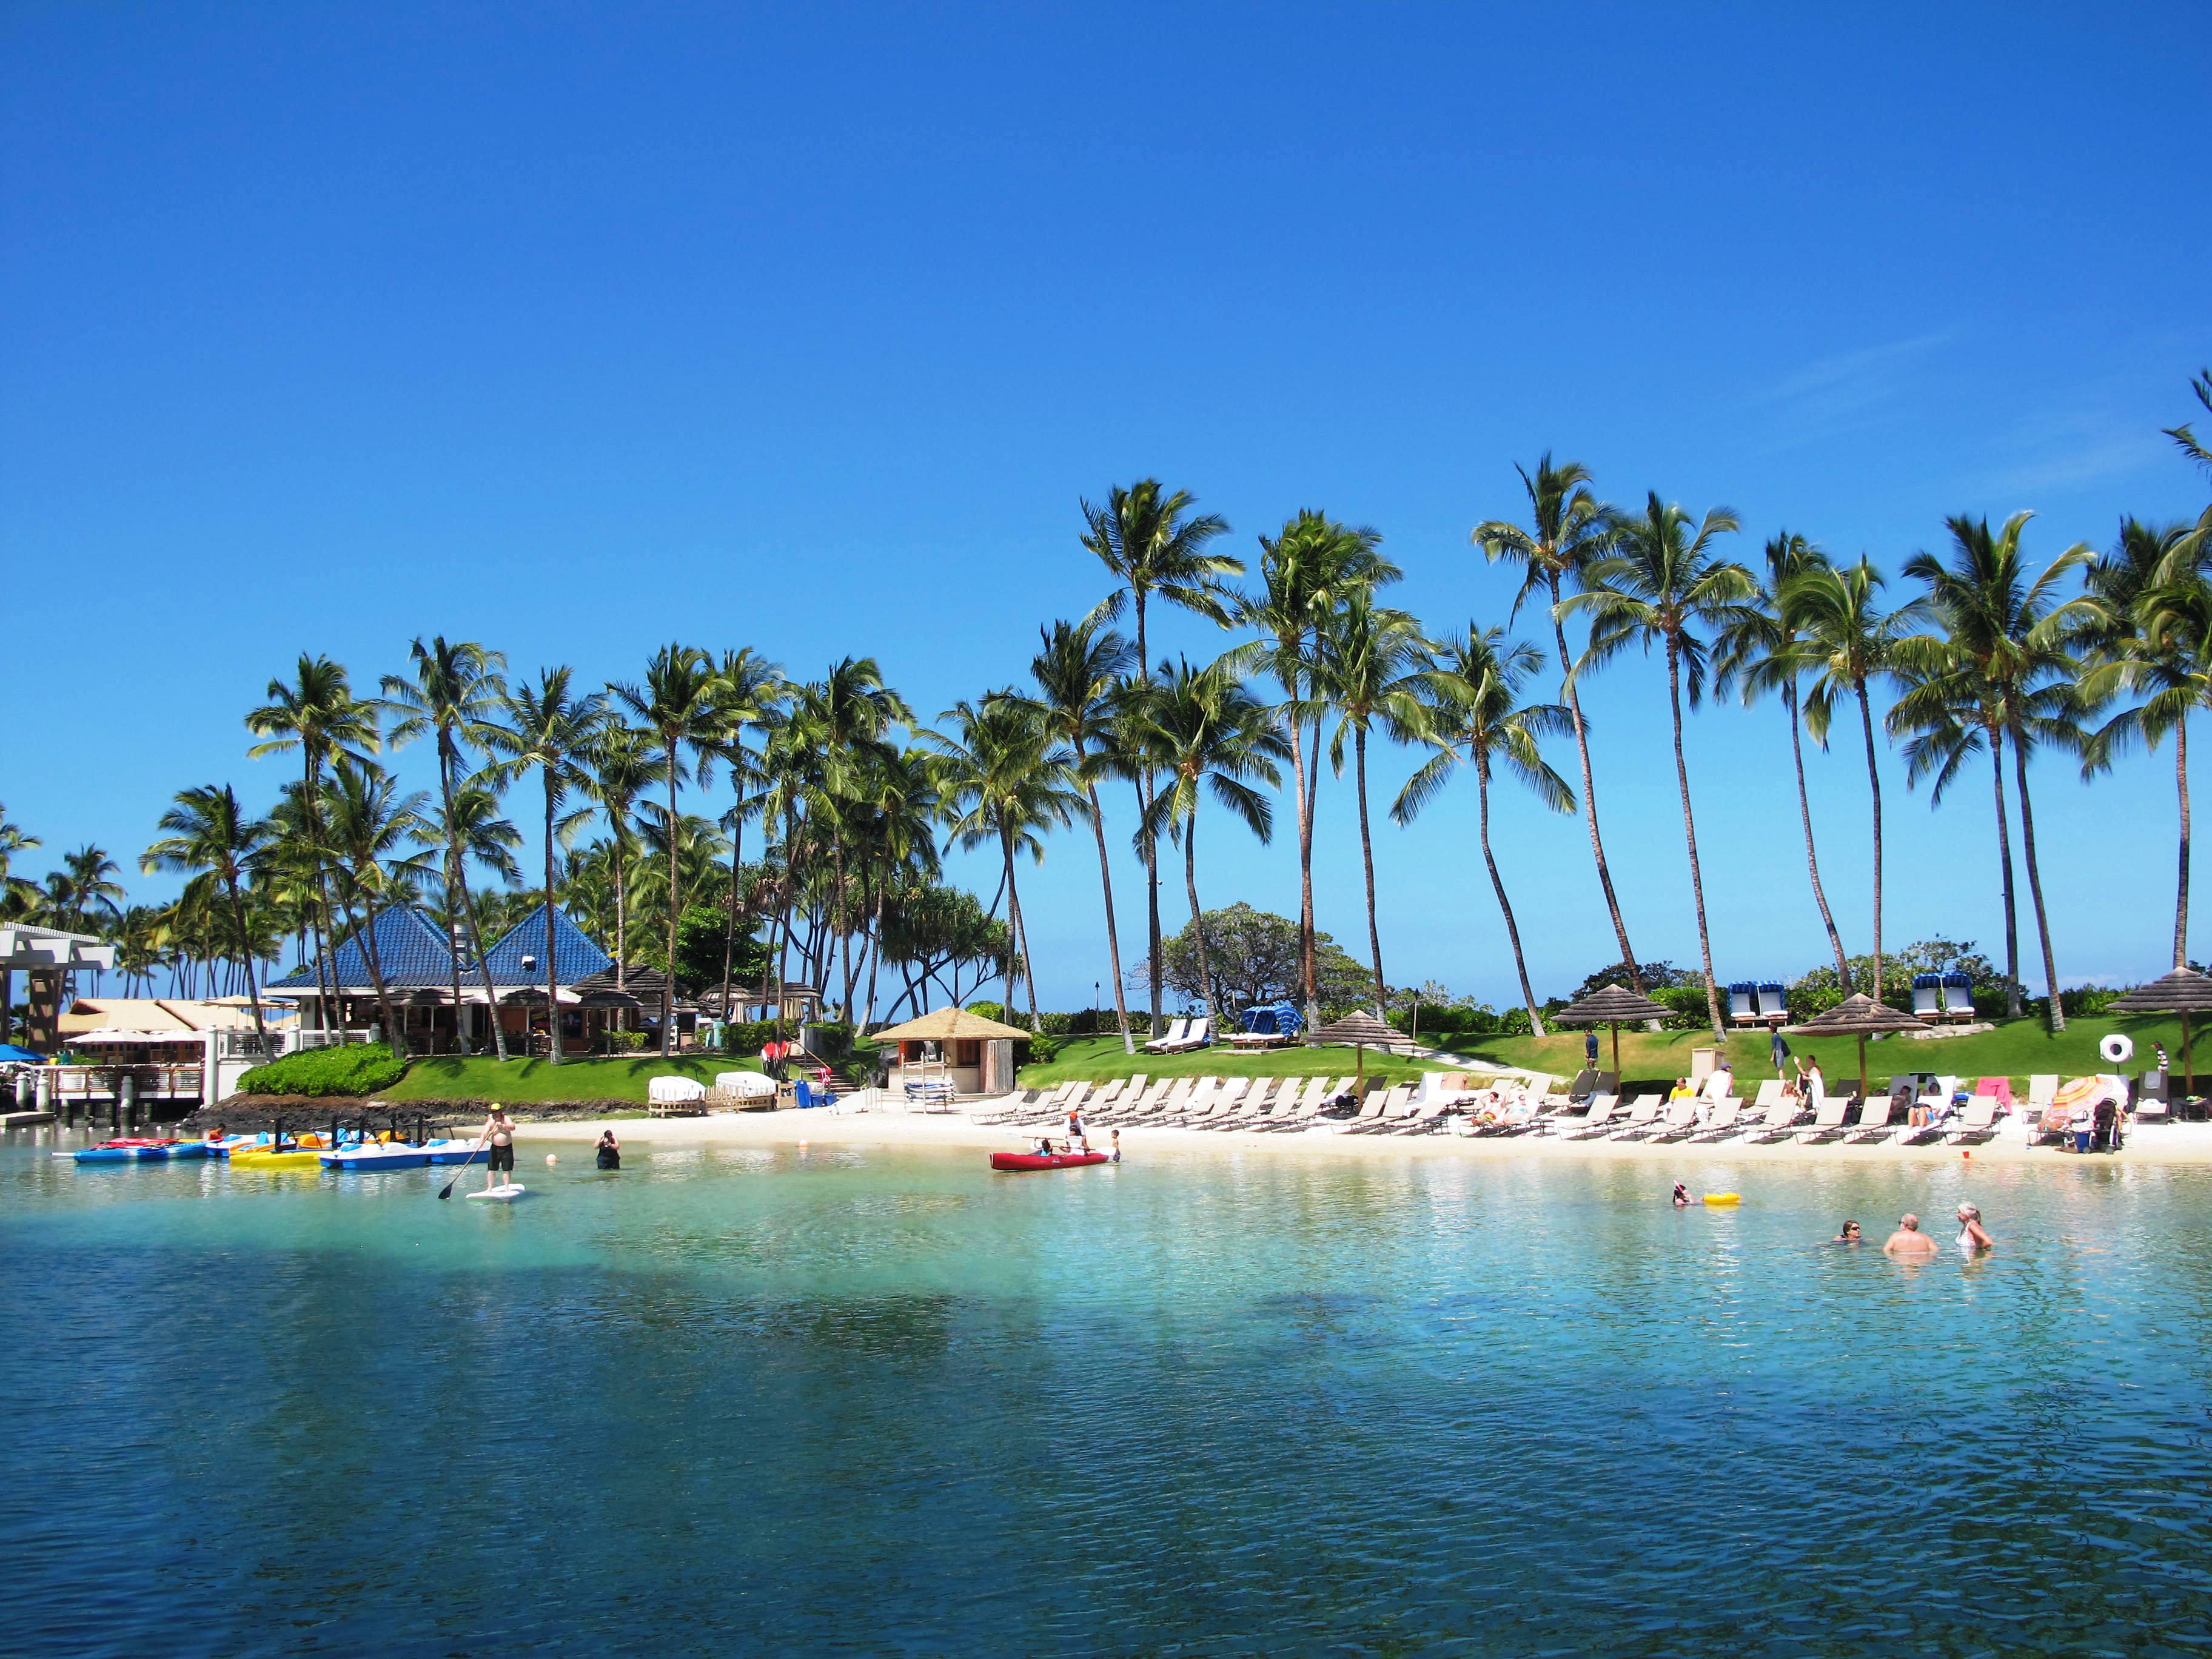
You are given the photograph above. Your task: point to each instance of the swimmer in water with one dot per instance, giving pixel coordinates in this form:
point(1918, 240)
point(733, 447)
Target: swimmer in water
point(1682, 1196)
point(1974, 1237)
point(1909, 1240)
point(1850, 1234)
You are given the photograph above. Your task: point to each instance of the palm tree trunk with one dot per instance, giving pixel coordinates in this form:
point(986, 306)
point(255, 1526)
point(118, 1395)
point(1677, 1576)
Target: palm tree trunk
point(1811, 858)
point(2181, 887)
point(668, 980)
point(1309, 999)
point(1144, 785)
point(326, 954)
point(1014, 935)
point(460, 877)
point(1309, 951)
point(1874, 783)
point(737, 848)
point(1197, 922)
point(552, 1001)
point(245, 952)
point(1690, 836)
point(2004, 864)
point(1367, 860)
point(1504, 908)
point(2035, 883)
point(622, 914)
point(366, 932)
point(1589, 790)
point(1112, 937)
point(875, 957)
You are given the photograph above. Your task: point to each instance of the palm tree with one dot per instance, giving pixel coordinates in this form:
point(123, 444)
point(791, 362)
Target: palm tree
point(1370, 658)
point(16, 894)
point(1004, 778)
point(1764, 645)
point(453, 698)
point(854, 713)
point(900, 796)
point(1658, 585)
point(1473, 713)
point(83, 892)
point(625, 763)
point(548, 727)
point(471, 825)
point(1849, 641)
point(2191, 446)
point(1213, 736)
point(2152, 634)
point(1307, 574)
point(366, 821)
point(751, 688)
point(1079, 673)
point(2001, 662)
point(321, 718)
point(681, 699)
point(211, 836)
point(1150, 543)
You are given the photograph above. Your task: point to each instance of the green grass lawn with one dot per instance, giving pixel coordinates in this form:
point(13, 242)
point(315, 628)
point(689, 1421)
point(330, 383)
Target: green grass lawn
point(532, 1081)
point(2015, 1049)
point(1098, 1059)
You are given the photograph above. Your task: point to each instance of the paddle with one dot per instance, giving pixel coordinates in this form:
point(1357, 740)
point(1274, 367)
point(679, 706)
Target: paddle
point(447, 1191)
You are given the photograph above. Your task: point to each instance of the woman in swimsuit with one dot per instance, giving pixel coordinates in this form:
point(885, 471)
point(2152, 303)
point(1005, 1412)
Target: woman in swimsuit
point(609, 1151)
point(1974, 1237)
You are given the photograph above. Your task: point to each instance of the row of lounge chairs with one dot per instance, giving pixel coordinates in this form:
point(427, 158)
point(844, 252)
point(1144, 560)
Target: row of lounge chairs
point(1262, 1105)
point(1774, 1116)
point(1181, 1036)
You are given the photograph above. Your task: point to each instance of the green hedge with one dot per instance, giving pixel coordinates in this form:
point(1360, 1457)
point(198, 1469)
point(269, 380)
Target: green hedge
point(355, 1068)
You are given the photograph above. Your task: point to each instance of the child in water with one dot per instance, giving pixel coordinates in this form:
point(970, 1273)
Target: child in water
point(1682, 1196)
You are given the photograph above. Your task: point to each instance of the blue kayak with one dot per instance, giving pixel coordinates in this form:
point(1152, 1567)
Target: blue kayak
point(140, 1149)
point(400, 1156)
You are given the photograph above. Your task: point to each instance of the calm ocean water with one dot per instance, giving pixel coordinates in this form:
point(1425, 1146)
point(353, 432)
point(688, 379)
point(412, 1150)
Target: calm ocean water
point(881, 1401)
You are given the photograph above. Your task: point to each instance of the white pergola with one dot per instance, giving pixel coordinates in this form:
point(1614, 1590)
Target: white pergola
point(47, 955)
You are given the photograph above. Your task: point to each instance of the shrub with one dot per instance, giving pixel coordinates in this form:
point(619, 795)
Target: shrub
point(1038, 1049)
point(355, 1068)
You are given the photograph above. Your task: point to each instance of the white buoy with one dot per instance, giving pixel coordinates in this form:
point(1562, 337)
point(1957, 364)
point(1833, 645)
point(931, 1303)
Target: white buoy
point(550, 1159)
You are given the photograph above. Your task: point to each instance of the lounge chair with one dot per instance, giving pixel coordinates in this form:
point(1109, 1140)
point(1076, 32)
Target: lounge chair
point(1773, 1002)
point(1199, 1034)
point(1769, 1096)
point(1978, 1123)
point(675, 1097)
point(1679, 1123)
point(1601, 1119)
point(1202, 1101)
point(1928, 996)
point(1397, 1104)
point(1228, 1103)
point(1168, 1039)
point(1370, 1109)
point(1608, 1083)
point(1642, 1115)
point(1958, 998)
point(1584, 1085)
point(1722, 1123)
point(1301, 1099)
point(2042, 1089)
point(1776, 1122)
point(1107, 1097)
point(1743, 1003)
point(1874, 1121)
point(1827, 1122)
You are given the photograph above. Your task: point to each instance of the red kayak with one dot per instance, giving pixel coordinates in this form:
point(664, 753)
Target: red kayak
point(1018, 1163)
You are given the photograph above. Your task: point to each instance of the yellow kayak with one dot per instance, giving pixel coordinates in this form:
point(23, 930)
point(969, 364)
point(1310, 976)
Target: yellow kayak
point(305, 1153)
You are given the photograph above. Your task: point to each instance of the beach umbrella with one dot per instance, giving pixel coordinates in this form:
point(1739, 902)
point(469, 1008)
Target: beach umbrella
point(2181, 992)
point(14, 1054)
point(1859, 1015)
point(1616, 1005)
point(1362, 1031)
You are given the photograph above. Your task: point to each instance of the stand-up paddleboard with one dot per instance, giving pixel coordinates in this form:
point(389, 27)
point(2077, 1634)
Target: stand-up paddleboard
point(505, 1194)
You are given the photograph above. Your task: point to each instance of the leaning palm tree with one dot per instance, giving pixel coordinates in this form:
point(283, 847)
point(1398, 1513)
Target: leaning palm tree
point(455, 698)
point(1763, 646)
point(681, 701)
point(1568, 528)
point(1370, 657)
point(1214, 738)
point(319, 716)
point(1003, 778)
point(1660, 584)
point(1849, 641)
point(1308, 574)
point(211, 836)
point(1152, 544)
point(2003, 654)
point(1473, 712)
point(1079, 672)
point(549, 729)
point(2151, 636)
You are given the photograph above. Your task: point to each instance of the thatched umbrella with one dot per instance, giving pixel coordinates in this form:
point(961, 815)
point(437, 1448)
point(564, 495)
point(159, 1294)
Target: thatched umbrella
point(1860, 1015)
point(2181, 992)
point(1616, 1005)
point(1362, 1031)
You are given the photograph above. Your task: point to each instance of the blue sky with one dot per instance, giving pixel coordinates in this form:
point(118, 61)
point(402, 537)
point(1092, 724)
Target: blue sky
point(577, 329)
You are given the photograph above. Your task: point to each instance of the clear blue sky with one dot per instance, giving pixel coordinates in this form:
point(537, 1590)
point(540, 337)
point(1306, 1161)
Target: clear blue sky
point(575, 329)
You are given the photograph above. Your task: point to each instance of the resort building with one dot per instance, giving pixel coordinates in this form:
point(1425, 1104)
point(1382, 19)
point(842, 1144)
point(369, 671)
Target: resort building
point(952, 1051)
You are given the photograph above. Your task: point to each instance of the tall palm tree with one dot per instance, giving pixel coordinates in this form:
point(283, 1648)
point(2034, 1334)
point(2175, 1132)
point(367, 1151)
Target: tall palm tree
point(855, 713)
point(681, 699)
point(901, 796)
point(549, 728)
point(1307, 574)
point(470, 823)
point(1851, 640)
point(211, 835)
point(1473, 712)
point(2002, 656)
point(1151, 542)
point(1370, 657)
point(455, 698)
point(1214, 737)
point(16, 894)
point(319, 716)
point(1079, 673)
point(2185, 436)
point(1762, 646)
point(1660, 584)
point(625, 763)
point(367, 821)
point(2151, 636)
point(752, 687)
point(1004, 778)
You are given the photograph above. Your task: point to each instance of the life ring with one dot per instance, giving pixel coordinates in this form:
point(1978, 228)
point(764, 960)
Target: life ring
point(2118, 1048)
point(1723, 1197)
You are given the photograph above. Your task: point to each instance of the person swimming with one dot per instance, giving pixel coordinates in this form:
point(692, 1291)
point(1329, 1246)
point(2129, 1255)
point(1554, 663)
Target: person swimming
point(1682, 1196)
point(1909, 1240)
point(1850, 1234)
point(1974, 1237)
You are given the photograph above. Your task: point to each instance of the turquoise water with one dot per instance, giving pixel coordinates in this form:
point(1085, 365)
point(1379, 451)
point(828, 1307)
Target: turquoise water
point(862, 1400)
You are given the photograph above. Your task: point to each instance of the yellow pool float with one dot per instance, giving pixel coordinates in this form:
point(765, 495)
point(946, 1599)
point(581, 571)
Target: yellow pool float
point(1723, 1197)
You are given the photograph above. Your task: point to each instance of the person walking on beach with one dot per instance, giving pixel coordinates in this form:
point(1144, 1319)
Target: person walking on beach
point(1974, 1237)
point(1780, 1051)
point(1590, 1047)
point(499, 1137)
point(1908, 1239)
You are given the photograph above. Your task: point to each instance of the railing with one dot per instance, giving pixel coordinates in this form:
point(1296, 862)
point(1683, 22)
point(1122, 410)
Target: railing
point(71, 1082)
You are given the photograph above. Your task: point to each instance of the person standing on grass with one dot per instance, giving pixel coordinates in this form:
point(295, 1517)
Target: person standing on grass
point(1780, 1051)
point(1590, 1047)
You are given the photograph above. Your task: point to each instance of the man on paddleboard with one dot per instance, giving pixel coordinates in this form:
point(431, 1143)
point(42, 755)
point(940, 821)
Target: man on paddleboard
point(499, 1137)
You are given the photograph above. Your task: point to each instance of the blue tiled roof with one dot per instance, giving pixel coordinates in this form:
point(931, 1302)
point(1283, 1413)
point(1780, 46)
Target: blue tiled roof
point(409, 950)
point(575, 955)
